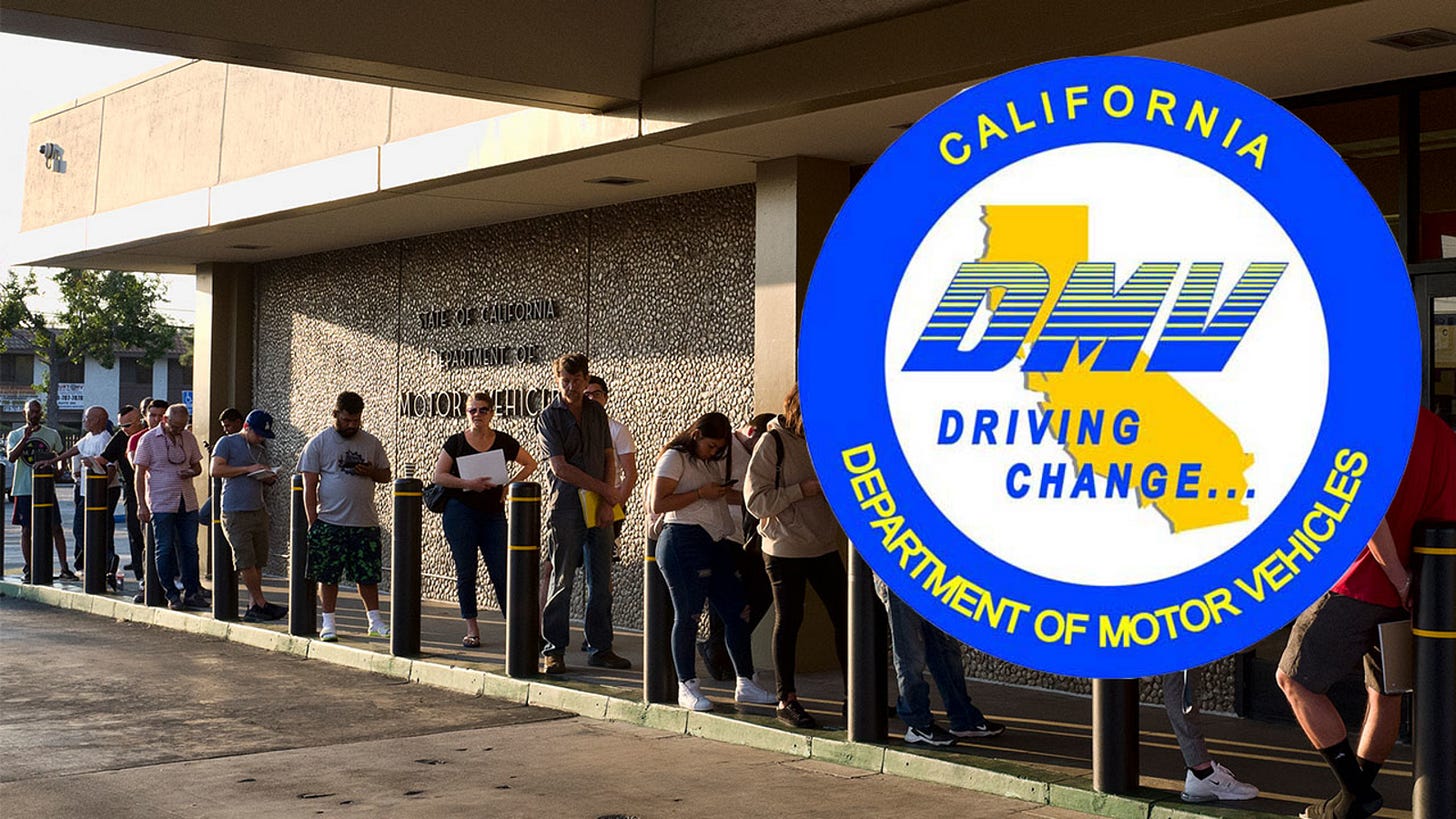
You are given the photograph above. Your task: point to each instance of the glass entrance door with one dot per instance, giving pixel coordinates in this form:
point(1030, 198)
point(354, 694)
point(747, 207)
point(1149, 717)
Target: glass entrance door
point(1435, 289)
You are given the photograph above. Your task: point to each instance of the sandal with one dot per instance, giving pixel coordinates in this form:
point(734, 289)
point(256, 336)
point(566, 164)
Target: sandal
point(470, 641)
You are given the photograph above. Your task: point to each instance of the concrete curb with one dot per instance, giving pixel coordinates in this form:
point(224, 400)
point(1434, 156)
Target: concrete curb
point(597, 702)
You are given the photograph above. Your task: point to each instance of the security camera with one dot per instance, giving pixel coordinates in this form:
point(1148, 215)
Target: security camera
point(53, 153)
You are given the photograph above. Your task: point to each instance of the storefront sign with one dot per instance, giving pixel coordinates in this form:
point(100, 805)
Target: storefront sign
point(1109, 367)
point(472, 315)
point(71, 396)
point(14, 399)
point(511, 402)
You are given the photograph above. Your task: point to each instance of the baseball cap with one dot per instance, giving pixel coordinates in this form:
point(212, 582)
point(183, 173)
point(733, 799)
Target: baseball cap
point(260, 422)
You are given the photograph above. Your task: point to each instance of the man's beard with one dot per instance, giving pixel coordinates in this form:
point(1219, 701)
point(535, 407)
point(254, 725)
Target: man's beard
point(347, 433)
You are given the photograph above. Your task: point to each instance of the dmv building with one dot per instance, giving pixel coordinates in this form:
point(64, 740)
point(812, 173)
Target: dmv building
point(420, 207)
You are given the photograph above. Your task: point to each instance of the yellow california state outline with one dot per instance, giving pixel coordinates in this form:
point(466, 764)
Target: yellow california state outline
point(1175, 427)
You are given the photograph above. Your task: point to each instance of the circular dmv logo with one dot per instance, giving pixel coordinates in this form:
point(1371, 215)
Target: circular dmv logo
point(1135, 367)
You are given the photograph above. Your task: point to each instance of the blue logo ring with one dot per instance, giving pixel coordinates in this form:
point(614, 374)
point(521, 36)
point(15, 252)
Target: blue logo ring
point(1363, 290)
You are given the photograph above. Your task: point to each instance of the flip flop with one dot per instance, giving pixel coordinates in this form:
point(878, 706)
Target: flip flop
point(470, 641)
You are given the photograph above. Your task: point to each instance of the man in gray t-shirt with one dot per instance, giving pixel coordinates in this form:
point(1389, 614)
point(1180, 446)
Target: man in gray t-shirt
point(238, 460)
point(341, 467)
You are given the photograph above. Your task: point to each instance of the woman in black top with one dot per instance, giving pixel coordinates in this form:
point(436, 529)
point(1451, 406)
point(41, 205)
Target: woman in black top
point(475, 517)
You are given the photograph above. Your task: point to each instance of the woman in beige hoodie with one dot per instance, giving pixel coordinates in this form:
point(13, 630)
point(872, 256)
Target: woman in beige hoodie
point(800, 546)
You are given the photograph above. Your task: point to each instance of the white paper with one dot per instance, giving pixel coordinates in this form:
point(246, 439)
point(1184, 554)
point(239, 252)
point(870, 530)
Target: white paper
point(489, 464)
point(263, 469)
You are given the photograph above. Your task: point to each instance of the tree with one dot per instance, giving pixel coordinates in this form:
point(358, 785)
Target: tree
point(13, 311)
point(107, 311)
point(103, 312)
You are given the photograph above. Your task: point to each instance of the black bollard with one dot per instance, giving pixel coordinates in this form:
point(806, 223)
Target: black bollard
point(523, 573)
point(42, 517)
point(1114, 736)
point(659, 678)
point(302, 599)
point(867, 677)
point(224, 576)
point(1433, 626)
point(94, 531)
point(404, 600)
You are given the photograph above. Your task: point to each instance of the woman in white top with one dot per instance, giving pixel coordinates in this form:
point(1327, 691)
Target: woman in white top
point(692, 486)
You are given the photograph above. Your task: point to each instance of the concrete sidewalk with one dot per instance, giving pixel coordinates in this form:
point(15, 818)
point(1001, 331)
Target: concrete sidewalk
point(148, 722)
point(1044, 756)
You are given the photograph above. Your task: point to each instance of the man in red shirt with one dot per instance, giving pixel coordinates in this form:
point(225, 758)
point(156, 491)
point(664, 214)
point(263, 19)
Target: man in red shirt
point(1330, 637)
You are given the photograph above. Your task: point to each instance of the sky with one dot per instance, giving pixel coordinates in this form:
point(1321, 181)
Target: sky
point(37, 75)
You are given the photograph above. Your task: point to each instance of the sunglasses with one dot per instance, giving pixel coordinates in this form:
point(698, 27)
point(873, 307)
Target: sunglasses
point(479, 410)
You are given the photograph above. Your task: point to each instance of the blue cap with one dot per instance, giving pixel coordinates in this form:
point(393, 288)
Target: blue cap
point(260, 422)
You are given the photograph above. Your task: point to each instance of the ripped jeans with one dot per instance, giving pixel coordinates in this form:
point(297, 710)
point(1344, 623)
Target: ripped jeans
point(696, 569)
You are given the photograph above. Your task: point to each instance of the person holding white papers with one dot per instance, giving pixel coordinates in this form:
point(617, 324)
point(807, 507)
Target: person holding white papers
point(472, 465)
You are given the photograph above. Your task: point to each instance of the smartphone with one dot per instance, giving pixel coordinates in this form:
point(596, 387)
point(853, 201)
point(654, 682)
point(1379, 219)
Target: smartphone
point(729, 482)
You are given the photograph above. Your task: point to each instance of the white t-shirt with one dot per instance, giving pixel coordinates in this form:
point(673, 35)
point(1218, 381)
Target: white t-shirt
point(692, 474)
point(740, 471)
point(622, 442)
point(89, 447)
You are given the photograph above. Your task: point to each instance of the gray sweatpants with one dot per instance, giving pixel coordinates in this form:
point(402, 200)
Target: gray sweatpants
point(1186, 726)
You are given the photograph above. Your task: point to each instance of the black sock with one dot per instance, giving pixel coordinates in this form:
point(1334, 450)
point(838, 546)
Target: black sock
point(1341, 760)
point(1369, 768)
point(1203, 774)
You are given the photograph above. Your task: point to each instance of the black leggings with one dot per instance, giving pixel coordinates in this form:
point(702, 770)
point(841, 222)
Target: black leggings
point(788, 576)
point(755, 589)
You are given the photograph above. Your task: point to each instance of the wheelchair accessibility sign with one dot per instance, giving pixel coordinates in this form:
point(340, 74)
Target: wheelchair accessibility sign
point(1109, 367)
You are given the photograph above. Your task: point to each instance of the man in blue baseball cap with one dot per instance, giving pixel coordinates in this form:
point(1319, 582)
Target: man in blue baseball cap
point(239, 460)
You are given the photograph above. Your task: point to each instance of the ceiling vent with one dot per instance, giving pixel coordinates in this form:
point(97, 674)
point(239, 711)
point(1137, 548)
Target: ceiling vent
point(1417, 40)
point(619, 181)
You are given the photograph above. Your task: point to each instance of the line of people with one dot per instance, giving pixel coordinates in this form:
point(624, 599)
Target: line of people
point(740, 521)
point(739, 518)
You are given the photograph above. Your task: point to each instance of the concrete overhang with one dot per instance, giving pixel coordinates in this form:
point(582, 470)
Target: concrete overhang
point(576, 55)
point(469, 175)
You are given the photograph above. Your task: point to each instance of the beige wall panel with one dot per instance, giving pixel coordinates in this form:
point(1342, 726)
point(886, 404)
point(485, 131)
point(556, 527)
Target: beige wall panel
point(521, 135)
point(415, 112)
point(323, 118)
point(161, 137)
point(52, 197)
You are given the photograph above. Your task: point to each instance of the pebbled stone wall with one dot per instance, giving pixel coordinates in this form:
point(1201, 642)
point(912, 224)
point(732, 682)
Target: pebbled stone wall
point(638, 287)
point(1215, 686)
point(659, 293)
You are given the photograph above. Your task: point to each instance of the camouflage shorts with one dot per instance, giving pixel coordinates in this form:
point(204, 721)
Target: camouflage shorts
point(338, 551)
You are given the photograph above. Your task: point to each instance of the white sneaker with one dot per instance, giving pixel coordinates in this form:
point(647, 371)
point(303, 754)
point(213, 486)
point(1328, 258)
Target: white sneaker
point(328, 635)
point(378, 629)
point(1221, 784)
point(748, 691)
point(689, 697)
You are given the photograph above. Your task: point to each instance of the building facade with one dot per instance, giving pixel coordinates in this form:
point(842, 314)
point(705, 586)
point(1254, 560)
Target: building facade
point(656, 203)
